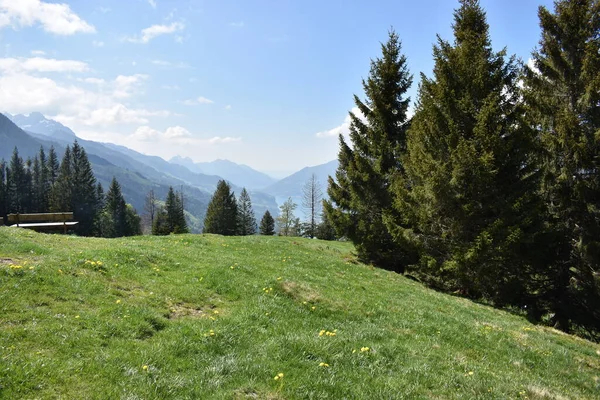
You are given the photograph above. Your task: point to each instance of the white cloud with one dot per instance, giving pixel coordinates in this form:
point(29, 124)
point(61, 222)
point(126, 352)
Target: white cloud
point(171, 87)
point(237, 24)
point(97, 43)
point(344, 128)
point(199, 100)
point(176, 132)
point(228, 107)
point(39, 64)
point(152, 3)
point(153, 31)
point(126, 84)
point(145, 134)
point(73, 105)
point(53, 17)
point(38, 53)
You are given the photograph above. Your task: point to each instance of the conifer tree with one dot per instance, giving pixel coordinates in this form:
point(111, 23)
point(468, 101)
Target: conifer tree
point(359, 193)
point(160, 226)
point(115, 209)
point(221, 215)
point(62, 188)
point(53, 166)
point(267, 224)
point(37, 186)
point(84, 195)
point(3, 191)
point(470, 183)
point(174, 212)
point(45, 182)
point(246, 220)
point(17, 184)
point(562, 89)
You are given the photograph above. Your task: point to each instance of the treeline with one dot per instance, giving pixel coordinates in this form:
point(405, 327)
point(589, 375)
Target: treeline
point(230, 217)
point(42, 184)
point(492, 188)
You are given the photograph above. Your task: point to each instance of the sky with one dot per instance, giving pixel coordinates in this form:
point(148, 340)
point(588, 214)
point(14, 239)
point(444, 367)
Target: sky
point(266, 83)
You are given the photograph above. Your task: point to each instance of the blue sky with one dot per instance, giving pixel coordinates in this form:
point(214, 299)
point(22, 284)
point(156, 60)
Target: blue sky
point(264, 83)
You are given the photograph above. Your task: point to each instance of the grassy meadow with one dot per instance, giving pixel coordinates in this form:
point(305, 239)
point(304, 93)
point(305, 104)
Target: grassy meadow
point(211, 317)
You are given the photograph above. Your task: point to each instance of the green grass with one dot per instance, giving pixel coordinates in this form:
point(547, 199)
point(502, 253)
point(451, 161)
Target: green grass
point(138, 326)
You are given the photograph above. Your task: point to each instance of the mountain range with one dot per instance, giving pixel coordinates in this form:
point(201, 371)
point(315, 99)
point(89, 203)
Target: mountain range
point(139, 173)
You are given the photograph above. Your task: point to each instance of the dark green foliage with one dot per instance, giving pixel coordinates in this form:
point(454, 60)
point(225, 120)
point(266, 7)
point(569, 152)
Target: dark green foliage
point(267, 224)
point(221, 215)
point(117, 218)
point(84, 194)
point(18, 184)
point(160, 225)
point(44, 183)
point(115, 207)
point(62, 188)
point(246, 220)
point(325, 230)
point(53, 165)
point(3, 190)
point(359, 194)
point(563, 93)
point(469, 188)
point(175, 212)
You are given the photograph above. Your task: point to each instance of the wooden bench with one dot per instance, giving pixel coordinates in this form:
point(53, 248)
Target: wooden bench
point(43, 221)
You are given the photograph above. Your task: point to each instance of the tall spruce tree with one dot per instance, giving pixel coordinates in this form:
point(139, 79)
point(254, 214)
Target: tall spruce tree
point(246, 220)
point(62, 187)
point(174, 212)
point(17, 184)
point(267, 224)
point(359, 194)
point(469, 187)
point(53, 165)
point(221, 215)
point(3, 191)
point(562, 89)
point(116, 211)
point(45, 182)
point(84, 195)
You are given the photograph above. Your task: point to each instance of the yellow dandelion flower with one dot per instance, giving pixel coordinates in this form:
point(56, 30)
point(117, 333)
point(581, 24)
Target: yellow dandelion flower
point(323, 365)
point(118, 301)
point(77, 316)
point(279, 278)
point(322, 332)
point(471, 372)
point(364, 349)
point(145, 367)
point(215, 311)
point(313, 308)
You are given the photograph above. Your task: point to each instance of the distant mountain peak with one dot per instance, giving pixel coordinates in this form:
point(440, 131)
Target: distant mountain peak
point(36, 122)
point(238, 174)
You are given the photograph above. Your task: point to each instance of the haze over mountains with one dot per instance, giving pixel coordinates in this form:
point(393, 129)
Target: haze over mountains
point(139, 173)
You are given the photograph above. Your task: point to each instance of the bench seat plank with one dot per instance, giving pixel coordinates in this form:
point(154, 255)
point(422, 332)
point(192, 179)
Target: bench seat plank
point(46, 225)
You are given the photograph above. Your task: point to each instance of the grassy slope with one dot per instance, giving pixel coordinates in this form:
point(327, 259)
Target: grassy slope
point(70, 329)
